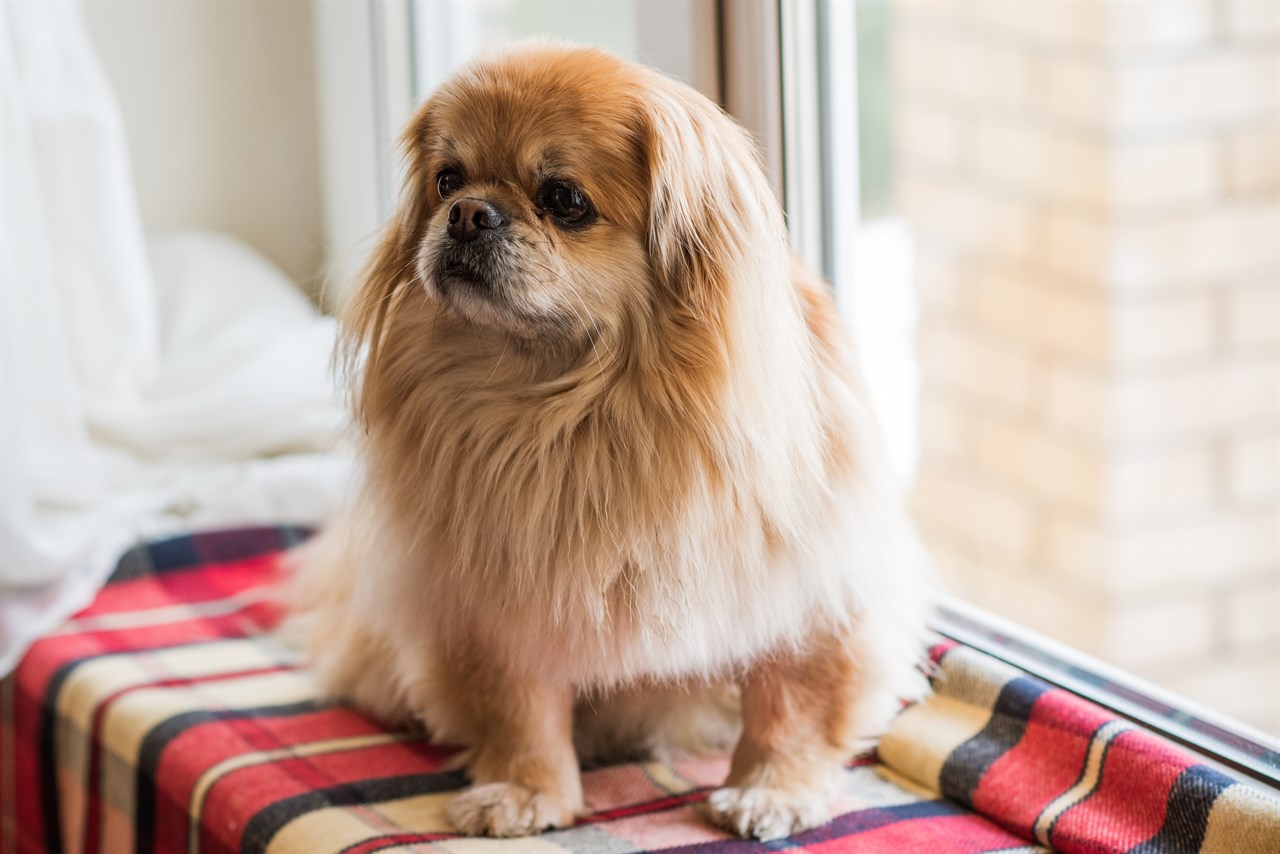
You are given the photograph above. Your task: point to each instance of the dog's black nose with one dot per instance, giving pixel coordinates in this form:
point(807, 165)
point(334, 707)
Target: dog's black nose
point(469, 218)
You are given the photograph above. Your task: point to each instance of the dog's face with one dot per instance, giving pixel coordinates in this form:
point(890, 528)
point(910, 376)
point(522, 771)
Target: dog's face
point(559, 196)
point(532, 186)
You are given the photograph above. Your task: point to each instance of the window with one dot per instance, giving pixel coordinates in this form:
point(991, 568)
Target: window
point(1060, 267)
point(1078, 204)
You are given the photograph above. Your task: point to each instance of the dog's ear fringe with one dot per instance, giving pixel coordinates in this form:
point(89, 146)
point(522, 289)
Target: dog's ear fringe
point(709, 199)
point(363, 314)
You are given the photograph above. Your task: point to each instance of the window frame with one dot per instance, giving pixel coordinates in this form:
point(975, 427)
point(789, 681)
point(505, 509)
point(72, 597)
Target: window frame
point(1237, 750)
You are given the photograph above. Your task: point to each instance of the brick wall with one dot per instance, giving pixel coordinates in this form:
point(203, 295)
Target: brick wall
point(1094, 187)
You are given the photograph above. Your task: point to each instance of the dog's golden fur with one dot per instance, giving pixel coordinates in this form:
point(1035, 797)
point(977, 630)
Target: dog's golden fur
point(632, 469)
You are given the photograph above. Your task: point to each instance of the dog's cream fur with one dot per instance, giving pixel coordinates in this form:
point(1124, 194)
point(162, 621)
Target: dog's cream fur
point(637, 470)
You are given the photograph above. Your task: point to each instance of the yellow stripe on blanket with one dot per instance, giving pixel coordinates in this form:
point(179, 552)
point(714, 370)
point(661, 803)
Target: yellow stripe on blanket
point(923, 736)
point(473, 845)
point(108, 675)
point(1242, 822)
point(336, 828)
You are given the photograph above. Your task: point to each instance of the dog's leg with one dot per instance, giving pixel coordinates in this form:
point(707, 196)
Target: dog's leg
point(804, 714)
point(522, 762)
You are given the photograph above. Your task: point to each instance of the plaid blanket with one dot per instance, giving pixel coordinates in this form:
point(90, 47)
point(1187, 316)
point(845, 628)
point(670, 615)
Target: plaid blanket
point(166, 717)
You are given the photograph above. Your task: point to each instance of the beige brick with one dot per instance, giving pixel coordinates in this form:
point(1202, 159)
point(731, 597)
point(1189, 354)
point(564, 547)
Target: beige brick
point(1198, 553)
point(1130, 26)
point(957, 572)
point(1253, 159)
point(1160, 481)
point(917, 199)
point(1031, 599)
point(942, 280)
point(1048, 23)
point(1057, 164)
point(927, 137)
point(910, 68)
point(1252, 20)
point(947, 428)
point(1076, 403)
point(988, 74)
point(986, 519)
point(1247, 689)
point(1175, 329)
point(1065, 321)
point(1189, 91)
point(1261, 717)
point(1010, 152)
point(964, 217)
point(1036, 160)
point(1075, 550)
point(1160, 634)
point(927, 15)
point(1195, 402)
point(1078, 325)
point(976, 367)
point(1075, 89)
point(1077, 246)
point(1192, 555)
point(1251, 616)
point(1253, 317)
point(1146, 175)
point(1202, 246)
point(1075, 171)
point(1030, 461)
point(1253, 466)
point(950, 69)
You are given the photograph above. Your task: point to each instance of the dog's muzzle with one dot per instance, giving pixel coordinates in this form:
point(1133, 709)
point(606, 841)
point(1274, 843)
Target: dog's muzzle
point(473, 218)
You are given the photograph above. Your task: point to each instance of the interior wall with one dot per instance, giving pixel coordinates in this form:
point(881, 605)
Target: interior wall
point(219, 100)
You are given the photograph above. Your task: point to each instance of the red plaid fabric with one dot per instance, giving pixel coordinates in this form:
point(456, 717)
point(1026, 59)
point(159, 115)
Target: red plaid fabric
point(166, 717)
point(1050, 767)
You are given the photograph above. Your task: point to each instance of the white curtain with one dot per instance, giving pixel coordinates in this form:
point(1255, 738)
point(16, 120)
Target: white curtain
point(146, 387)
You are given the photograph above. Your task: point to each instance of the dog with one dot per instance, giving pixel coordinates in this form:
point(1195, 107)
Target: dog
point(622, 493)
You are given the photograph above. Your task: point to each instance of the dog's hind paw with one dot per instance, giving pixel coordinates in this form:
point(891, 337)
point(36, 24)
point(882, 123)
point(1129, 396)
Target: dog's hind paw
point(507, 809)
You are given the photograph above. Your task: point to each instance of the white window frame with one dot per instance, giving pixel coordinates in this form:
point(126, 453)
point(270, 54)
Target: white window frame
point(790, 74)
point(364, 98)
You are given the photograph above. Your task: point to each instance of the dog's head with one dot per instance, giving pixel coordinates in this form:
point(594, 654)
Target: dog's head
point(560, 195)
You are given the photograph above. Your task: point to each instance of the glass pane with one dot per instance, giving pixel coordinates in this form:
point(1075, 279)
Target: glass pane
point(875, 150)
point(1083, 212)
point(610, 25)
point(677, 37)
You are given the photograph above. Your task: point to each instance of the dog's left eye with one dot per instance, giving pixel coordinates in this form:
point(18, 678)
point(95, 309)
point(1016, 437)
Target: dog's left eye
point(566, 202)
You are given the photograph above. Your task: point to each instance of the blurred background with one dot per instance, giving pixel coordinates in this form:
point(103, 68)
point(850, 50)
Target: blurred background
point(1054, 224)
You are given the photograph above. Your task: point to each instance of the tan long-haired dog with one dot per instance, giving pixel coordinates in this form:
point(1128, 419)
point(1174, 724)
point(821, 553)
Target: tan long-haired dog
point(615, 461)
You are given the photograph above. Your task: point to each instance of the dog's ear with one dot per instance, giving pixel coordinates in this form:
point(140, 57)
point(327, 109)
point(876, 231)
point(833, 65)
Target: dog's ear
point(391, 265)
point(711, 208)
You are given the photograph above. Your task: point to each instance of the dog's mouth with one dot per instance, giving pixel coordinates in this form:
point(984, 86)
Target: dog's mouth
point(454, 272)
point(469, 284)
point(483, 285)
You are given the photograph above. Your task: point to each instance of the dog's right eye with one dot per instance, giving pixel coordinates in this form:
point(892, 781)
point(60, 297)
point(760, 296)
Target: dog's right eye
point(448, 182)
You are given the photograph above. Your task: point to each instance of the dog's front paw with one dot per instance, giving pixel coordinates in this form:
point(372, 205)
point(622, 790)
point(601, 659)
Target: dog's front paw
point(507, 809)
point(757, 812)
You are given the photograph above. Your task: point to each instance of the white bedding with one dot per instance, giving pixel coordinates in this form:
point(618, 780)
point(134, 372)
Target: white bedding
point(146, 386)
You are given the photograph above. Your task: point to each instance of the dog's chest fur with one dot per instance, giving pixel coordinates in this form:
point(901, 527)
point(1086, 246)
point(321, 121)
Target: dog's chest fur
point(627, 532)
